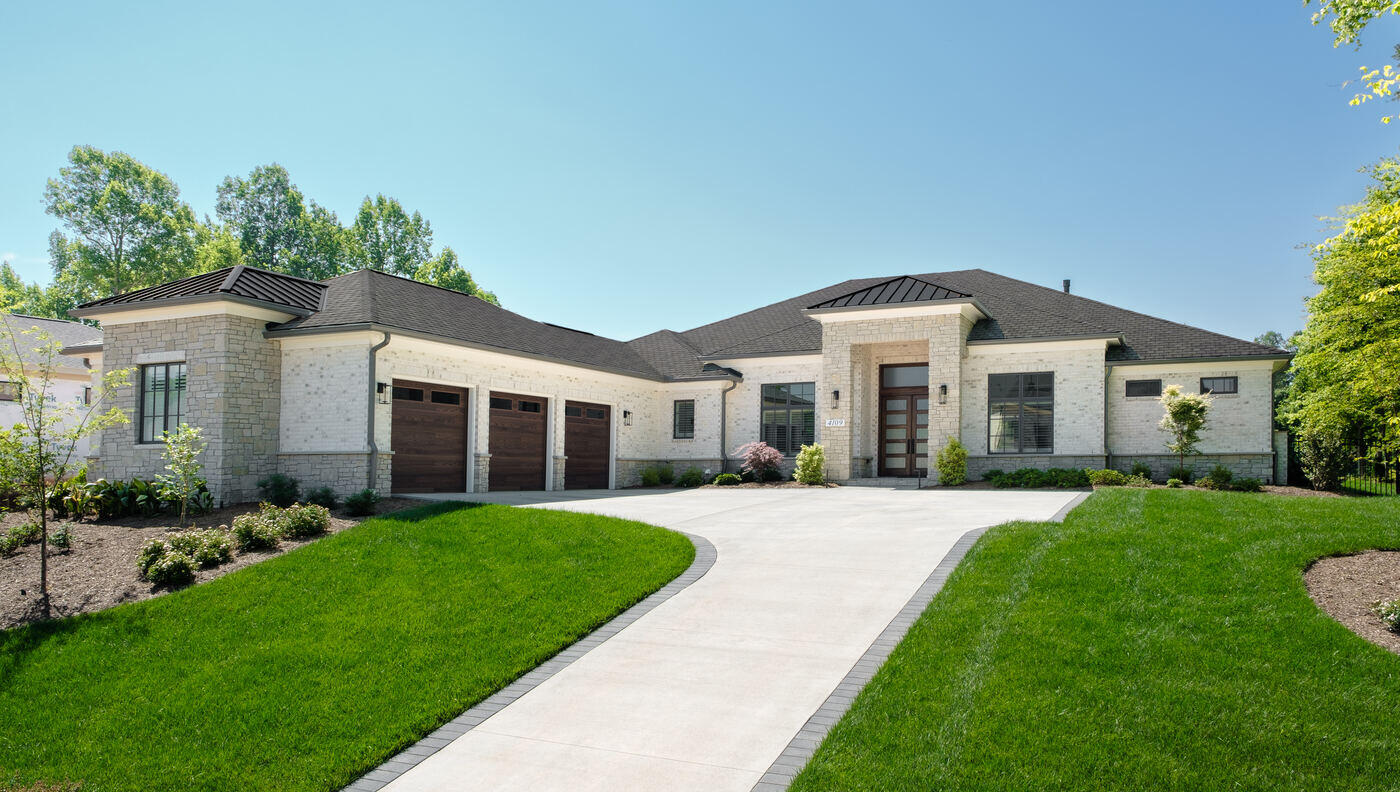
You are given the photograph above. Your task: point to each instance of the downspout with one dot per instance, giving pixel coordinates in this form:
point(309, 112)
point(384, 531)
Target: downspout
point(1107, 452)
point(373, 398)
point(723, 421)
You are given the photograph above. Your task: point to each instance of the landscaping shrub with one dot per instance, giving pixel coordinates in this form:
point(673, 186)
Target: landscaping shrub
point(761, 461)
point(257, 531)
point(1248, 485)
point(171, 570)
point(1174, 483)
point(152, 551)
point(279, 490)
point(1389, 611)
point(811, 465)
point(992, 475)
point(1035, 478)
point(322, 496)
point(362, 503)
point(304, 519)
point(1217, 479)
point(952, 463)
point(1182, 473)
point(1142, 469)
point(727, 480)
point(1324, 458)
point(132, 497)
point(651, 476)
point(1107, 478)
point(207, 548)
point(1138, 481)
point(62, 536)
point(26, 533)
point(666, 474)
point(692, 477)
point(9, 545)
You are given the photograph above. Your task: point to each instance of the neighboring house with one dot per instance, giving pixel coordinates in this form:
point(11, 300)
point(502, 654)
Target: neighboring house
point(369, 379)
point(72, 372)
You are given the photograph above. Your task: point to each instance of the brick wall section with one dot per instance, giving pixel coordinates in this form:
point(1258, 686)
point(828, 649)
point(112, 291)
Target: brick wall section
point(1078, 393)
point(977, 466)
point(233, 395)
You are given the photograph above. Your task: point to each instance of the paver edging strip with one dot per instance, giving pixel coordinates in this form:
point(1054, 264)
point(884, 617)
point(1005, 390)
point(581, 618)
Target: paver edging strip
point(409, 757)
point(805, 743)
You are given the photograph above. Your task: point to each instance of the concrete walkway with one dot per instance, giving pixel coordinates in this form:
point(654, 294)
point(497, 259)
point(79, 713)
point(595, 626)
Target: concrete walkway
point(706, 690)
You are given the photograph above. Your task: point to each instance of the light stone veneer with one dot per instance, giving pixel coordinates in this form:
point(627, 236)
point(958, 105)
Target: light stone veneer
point(234, 388)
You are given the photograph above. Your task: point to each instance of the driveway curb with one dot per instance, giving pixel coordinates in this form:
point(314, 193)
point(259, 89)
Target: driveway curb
point(800, 750)
point(409, 757)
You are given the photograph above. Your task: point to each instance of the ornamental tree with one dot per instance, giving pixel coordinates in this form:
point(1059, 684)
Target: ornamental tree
point(760, 460)
point(1184, 416)
point(181, 482)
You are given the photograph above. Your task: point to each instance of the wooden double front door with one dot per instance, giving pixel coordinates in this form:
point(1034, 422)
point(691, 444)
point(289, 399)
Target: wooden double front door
point(903, 441)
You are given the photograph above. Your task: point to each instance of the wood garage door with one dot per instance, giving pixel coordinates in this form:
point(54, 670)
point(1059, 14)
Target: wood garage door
point(429, 437)
point(586, 436)
point(517, 442)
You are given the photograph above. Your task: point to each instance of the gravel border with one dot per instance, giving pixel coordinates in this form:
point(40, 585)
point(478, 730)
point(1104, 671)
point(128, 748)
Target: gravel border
point(409, 757)
point(800, 750)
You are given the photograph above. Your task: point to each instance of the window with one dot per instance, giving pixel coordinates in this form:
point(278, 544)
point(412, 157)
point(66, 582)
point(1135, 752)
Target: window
point(1220, 385)
point(408, 394)
point(683, 419)
point(87, 396)
point(789, 418)
point(904, 376)
point(446, 397)
point(529, 406)
point(162, 400)
point(1021, 413)
point(1145, 388)
point(497, 403)
point(571, 411)
point(9, 391)
point(595, 414)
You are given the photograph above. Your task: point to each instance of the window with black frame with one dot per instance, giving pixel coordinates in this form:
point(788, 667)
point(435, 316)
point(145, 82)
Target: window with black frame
point(683, 419)
point(789, 418)
point(163, 387)
point(1021, 413)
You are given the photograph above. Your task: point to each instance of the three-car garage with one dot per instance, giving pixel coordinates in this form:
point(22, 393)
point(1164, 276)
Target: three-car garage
point(432, 440)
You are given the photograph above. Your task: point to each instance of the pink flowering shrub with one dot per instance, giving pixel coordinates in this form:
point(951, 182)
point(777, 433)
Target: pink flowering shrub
point(761, 461)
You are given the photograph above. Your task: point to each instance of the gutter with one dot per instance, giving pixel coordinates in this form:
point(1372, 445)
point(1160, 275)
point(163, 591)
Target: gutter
point(1107, 397)
point(373, 474)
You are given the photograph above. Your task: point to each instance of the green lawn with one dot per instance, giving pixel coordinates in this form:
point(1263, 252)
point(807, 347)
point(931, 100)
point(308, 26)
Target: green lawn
point(302, 672)
point(1157, 639)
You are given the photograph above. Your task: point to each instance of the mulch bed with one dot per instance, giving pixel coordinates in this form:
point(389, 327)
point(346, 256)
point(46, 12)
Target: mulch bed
point(99, 570)
point(1346, 587)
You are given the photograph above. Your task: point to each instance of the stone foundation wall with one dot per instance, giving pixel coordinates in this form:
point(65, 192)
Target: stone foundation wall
point(558, 477)
point(978, 465)
point(629, 471)
point(344, 473)
point(482, 478)
point(1260, 466)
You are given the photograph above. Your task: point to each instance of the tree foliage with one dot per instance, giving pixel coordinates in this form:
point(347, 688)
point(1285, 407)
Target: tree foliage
point(1183, 418)
point(181, 481)
point(130, 229)
point(277, 228)
point(1347, 19)
point(1347, 372)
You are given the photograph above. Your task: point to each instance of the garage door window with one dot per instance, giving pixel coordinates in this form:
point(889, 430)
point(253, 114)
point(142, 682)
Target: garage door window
point(529, 406)
point(408, 394)
point(498, 403)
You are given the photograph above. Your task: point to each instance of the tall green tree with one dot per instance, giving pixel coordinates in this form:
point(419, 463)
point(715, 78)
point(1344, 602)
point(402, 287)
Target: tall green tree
point(1347, 371)
point(446, 270)
point(129, 227)
point(278, 228)
point(389, 239)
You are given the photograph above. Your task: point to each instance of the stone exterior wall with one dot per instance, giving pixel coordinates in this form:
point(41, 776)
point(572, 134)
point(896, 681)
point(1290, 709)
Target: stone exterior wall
point(234, 392)
point(346, 474)
point(629, 471)
point(1260, 466)
point(977, 466)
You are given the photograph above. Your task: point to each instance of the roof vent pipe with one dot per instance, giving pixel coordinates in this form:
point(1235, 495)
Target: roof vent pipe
point(1066, 285)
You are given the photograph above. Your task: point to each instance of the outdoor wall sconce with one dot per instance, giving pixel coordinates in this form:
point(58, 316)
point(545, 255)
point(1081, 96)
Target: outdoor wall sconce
point(626, 417)
point(942, 394)
point(382, 388)
point(836, 397)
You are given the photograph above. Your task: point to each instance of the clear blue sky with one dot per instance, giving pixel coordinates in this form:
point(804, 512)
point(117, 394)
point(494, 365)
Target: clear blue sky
point(623, 167)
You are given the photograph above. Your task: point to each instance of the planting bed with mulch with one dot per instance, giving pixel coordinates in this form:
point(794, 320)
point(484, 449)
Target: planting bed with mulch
point(99, 570)
point(1346, 588)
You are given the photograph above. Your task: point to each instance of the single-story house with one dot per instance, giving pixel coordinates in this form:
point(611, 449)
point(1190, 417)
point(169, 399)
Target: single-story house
point(71, 376)
point(371, 380)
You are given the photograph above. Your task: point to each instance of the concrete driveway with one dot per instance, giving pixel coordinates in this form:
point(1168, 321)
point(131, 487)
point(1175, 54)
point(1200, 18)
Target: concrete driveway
point(707, 689)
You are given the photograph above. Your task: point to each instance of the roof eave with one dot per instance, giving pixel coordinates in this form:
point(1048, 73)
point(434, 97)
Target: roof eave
point(1281, 357)
point(1109, 337)
point(974, 302)
point(78, 350)
point(82, 312)
point(292, 332)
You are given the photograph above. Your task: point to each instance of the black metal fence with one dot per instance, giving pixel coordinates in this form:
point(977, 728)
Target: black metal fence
point(1371, 474)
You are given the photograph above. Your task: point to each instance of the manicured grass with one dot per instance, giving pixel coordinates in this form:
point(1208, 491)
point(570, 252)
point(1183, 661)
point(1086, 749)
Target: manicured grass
point(302, 672)
point(1158, 639)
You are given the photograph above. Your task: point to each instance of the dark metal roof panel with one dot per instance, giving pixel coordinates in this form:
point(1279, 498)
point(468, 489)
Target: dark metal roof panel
point(248, 282)
point(904, 289)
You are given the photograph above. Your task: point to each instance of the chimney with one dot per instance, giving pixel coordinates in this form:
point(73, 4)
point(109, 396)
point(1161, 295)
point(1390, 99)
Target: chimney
point(1066, 285)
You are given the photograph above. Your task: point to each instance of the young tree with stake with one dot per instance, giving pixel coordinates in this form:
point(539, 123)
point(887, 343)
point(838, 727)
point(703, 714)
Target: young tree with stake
point(1184, 416)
